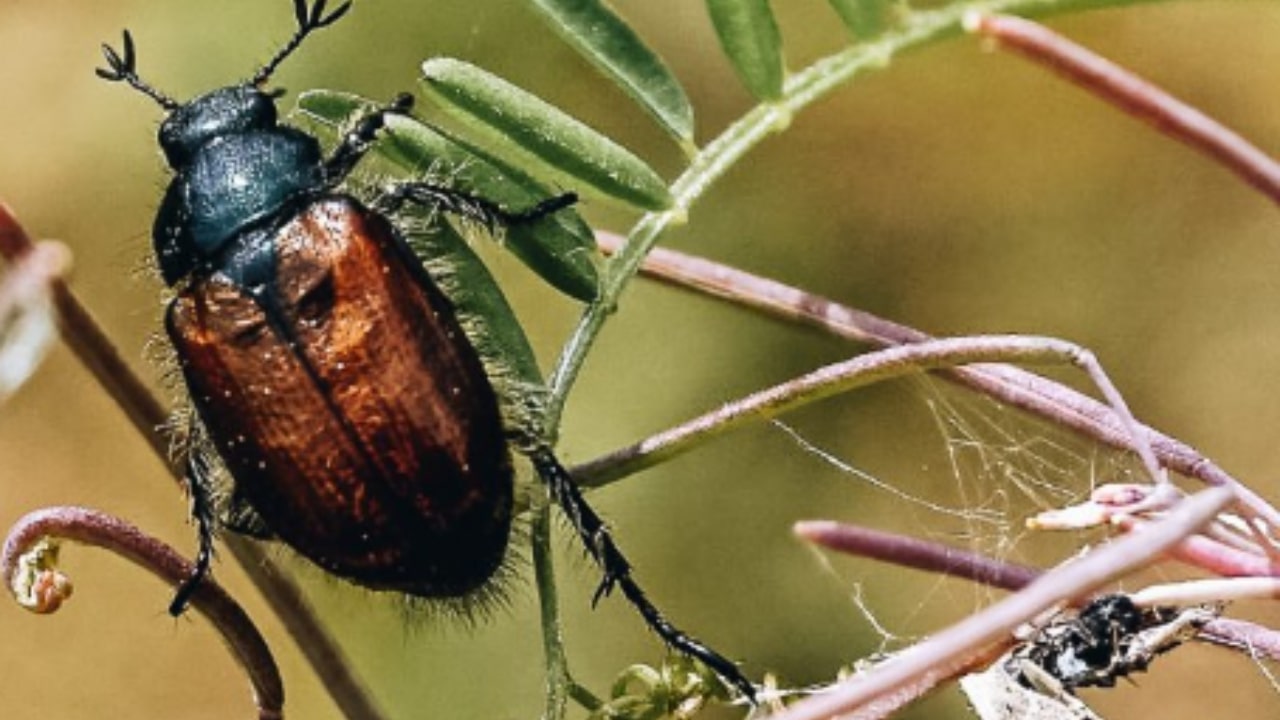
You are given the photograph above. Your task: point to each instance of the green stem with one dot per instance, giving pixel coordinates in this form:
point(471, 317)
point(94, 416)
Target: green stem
point(705, 168)
point(801, 90)
point(560, 684)
point(549, 605)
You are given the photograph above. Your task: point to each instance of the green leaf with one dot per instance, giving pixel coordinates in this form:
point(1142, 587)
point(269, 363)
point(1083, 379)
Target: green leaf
point(527, 132)
point(559, 248)
point(749, 35)
point(329, 111)
point(489, 322)
point(613, 47)
point(864, 18)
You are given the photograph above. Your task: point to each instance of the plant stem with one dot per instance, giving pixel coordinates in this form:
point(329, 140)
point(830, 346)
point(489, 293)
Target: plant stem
point(98, 529)
point(944, 650)
point(915, 553)
point(906, 551)
point(560, 684)
point(722, 153)
point(857, 372)
point(1013, 386)
point(1135, 96)
point(549, 605)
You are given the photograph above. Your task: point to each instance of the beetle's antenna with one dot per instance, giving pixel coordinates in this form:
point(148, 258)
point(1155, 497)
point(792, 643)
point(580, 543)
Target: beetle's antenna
point(123, 68)
point(309, 20)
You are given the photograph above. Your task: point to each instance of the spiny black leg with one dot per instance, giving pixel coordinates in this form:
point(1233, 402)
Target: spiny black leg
point(550, 206)
point(202, 511)
point(617, 571)
point(356, 144)
point(357, 141)
point(472, 207)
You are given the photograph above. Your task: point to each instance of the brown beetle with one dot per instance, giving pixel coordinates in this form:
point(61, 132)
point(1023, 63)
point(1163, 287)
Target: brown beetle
point(329, 371)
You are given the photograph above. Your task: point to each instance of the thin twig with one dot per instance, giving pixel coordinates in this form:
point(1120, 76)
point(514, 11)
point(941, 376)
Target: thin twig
point(1134, 95)
point(1005, 383)
point(1199, 592)
point(1021, 389)
point(1261, 643)
point(861, 371)
point(935, 557)
point(1209, 554)
point(99, 356)
point(887, 705)
point(321, 650)
point(915, 553)
point(95, 528)
point(952, 646)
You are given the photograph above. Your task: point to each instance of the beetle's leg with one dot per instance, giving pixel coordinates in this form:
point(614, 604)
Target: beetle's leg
point(202, 511)
point(356, 143)
point(472, 207)
point(241, 518)
point(617, 571)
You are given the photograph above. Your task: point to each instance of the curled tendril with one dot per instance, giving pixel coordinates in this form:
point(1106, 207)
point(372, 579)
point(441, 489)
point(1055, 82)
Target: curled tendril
point(36, 582)
point(28, 565)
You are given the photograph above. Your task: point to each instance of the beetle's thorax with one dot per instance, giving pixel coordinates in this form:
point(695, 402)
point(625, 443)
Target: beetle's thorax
point(234, 168)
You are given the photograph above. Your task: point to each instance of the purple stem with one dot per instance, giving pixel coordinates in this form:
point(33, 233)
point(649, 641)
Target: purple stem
point(92, 527)
point(915, 553)
point(99, 355)
point(1134, 95)
point(1018, 388)
point(935, 557)
point(955, 645)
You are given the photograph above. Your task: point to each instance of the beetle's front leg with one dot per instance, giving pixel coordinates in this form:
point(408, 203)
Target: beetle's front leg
point(357, 141)
point(356, 144)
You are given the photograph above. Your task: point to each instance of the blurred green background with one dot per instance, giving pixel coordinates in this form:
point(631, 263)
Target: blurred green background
point(959, 191)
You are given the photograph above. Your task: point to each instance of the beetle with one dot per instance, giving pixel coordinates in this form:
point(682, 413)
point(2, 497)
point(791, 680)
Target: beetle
point(329, 372)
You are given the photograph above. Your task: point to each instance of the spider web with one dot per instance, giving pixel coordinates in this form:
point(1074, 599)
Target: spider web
point(990, 468)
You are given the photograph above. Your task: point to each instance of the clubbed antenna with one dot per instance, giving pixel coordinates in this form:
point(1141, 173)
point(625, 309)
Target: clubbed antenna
point(124, 69)
point(309, 19)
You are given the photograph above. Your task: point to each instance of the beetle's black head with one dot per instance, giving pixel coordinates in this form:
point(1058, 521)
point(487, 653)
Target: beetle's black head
point(225, 111)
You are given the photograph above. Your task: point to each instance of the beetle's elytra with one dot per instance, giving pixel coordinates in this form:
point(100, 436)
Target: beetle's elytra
point(353, 418)
point(329, 372)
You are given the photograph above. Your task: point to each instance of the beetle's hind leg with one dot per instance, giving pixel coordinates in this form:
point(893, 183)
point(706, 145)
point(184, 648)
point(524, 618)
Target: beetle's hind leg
point(198, 485)
point(617, 571)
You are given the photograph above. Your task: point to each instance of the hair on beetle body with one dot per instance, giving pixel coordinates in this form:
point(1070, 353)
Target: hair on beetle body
point(330, 371)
